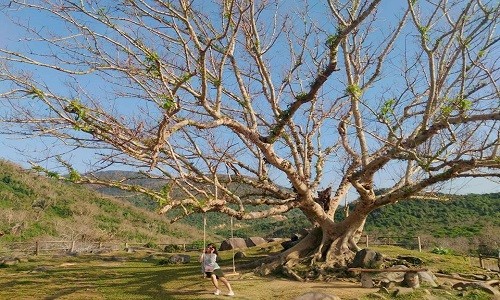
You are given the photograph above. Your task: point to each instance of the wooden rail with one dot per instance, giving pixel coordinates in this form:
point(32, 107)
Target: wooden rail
point(38, 247)
point(388, 240)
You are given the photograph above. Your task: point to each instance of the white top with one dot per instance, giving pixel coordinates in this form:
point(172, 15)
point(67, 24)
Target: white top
point(210, 260)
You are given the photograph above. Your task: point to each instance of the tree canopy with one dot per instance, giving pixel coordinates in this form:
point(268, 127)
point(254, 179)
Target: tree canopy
point(326, 97)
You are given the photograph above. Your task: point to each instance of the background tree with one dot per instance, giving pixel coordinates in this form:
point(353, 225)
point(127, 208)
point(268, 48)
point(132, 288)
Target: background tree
point(291, 99)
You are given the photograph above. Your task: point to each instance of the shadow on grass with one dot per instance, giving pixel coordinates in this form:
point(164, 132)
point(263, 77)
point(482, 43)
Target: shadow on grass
point(100, 277)
point(65, 292)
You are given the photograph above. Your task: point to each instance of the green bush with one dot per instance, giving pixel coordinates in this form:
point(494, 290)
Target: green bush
point(173, 248)
point(37, 229)
point(61, 211)
point(15, 186)
point(196, 245)
point(487, 250)
point(151, 245)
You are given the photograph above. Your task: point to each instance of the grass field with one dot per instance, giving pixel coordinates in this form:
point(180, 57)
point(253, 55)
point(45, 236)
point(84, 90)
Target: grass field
point(140, 276)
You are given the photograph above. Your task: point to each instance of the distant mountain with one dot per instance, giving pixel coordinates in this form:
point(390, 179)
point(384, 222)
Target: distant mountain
point(34, 206)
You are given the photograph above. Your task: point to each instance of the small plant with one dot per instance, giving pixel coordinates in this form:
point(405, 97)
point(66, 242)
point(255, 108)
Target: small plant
point(441, 250)
point(173, 248)
point(151, 245)
point(354, 90)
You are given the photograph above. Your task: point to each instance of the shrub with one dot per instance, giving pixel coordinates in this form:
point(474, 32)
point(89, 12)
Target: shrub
point(173, 248)
point(196, 245)
point(61, 211)
point(151, 245)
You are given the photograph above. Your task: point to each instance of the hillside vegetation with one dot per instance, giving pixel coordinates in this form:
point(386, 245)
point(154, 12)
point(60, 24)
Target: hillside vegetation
point(467, 223)
point(34, 206)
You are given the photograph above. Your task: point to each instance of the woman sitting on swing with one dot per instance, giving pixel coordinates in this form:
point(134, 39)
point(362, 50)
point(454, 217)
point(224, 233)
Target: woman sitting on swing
point(213, 270)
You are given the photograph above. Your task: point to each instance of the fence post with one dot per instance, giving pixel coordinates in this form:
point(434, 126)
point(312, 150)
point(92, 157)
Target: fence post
point(366, 242)
point(419, 244)
point(72, 247)
point(100, 245)
point(481, 264)
point(37, 248)
point(498, 260)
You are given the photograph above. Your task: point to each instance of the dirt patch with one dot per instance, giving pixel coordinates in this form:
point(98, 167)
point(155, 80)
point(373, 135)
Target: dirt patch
point(259, 288)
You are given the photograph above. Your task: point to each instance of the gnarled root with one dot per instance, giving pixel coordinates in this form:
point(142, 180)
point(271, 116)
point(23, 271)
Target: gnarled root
point(314, 256)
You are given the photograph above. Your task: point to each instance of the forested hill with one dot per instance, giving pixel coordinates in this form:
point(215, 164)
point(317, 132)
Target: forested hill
point(460, 216)
point(34, 206)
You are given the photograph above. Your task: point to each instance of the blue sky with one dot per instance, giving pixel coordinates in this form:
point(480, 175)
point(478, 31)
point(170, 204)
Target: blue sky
point(19, 149)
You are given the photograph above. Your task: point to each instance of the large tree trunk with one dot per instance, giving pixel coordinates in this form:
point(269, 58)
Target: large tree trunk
point(324, 248)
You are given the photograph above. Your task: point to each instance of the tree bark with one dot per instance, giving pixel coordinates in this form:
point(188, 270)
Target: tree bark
point(323, 248)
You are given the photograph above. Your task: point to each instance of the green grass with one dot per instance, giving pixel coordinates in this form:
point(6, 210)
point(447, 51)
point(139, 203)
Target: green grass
point(139, 275)
point(442, 263)
point(96, 277)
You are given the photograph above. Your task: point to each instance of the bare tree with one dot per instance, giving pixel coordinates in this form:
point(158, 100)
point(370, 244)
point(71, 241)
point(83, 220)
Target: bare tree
point(302, 102)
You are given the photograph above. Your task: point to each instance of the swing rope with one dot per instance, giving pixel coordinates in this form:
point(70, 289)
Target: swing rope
point(204, 231)
point(205, 223)
point(232, 237)
point(232, 248)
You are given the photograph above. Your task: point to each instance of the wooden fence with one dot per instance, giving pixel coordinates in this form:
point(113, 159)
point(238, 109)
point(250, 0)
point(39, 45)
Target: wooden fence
point(71, 246)
point(488, 262)
point(40, 247)
point(402, 241)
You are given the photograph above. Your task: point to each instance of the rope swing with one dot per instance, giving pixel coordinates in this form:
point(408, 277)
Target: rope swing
point(232, 248)
point(216, 182)
point(204, 231)
point(234, 273)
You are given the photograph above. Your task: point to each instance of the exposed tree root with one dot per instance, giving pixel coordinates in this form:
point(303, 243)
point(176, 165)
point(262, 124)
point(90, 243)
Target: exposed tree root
point(314, 257)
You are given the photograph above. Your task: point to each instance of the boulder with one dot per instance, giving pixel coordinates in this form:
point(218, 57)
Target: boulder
point(427, 278)
point(239, 255)
point(485, 287)
point(233, 243)
point(9, 261)
point(411, 279)
point(255, 241)
point(367, 258)
point(411, 259)
point(392, 276)
point(179, 259)
point(273, 240)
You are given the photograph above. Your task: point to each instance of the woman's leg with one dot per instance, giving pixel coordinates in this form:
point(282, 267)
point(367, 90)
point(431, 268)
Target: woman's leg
point(226, 283)
point(214, 281)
